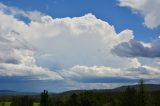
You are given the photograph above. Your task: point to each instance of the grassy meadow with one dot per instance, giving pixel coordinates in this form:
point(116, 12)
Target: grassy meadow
point(8, 104)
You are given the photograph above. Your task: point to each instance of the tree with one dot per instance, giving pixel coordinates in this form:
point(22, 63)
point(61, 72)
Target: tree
point(50, 102)
point(73, 100)
point(156, 99)
point(44, 98)
point(89, 99)
point(129, 97)
point(26, 101)
point(141, 94)
point(2, 102)
point(22, 101)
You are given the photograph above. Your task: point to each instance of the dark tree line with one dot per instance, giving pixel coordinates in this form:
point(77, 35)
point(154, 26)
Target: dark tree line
point(138, 96)
point(133, 97)
point(22, 101)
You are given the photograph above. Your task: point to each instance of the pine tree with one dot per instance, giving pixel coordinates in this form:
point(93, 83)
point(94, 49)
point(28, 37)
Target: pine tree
point(74, 100)
point(141, 94)
point(44, 98)
point(129, 97)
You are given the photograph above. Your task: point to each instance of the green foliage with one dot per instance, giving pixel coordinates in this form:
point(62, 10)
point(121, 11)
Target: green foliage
point(133, 97)
point(45, 101)
point(5, 103)
point(156, 99)
point(88, 99)
point(2, 104)
point(129, 97)
point(22, 101)
point(36, 104)
point(142, 96)
point(74, 100)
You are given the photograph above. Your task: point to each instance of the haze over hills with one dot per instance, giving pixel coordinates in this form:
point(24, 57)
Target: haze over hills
point(14, 93)
point(148, 87)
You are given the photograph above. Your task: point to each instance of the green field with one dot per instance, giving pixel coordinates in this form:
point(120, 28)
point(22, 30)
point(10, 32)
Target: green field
point(5, 103)
point(36, 104)
point(8, 104)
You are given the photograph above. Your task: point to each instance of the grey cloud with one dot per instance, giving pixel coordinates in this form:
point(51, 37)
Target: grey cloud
point(106, 80)
point(9, 42)
point(137, 49)
point(12, 61)
point(95, 74)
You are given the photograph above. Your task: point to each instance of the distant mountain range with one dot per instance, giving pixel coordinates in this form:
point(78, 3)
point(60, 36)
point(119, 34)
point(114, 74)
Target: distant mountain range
point(14, 93)
point(148, 87)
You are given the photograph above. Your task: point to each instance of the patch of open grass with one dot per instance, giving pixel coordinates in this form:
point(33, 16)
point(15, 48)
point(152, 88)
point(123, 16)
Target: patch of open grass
point(5, 103)
point(36, 104)
point(8, 104)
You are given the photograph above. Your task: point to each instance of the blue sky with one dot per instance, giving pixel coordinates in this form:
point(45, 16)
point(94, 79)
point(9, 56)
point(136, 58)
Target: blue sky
point(46, 47)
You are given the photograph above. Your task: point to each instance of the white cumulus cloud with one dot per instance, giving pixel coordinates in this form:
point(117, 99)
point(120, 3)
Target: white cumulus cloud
point(149, 9)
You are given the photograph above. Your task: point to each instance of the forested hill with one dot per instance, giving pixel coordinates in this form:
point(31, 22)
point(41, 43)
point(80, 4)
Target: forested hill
point(148, 87)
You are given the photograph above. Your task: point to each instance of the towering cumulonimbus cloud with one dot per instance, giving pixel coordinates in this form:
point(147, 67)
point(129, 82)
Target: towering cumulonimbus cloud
point(74, 51)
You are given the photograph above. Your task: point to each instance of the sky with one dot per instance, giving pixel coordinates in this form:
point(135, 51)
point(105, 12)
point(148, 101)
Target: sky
point(62, 45)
